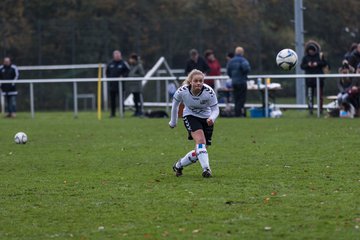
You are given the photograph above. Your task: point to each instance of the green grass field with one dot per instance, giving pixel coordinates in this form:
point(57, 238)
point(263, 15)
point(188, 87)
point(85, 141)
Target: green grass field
point(297, 177)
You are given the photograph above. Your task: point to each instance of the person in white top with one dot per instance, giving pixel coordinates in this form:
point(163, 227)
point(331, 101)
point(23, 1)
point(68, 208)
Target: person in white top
point(200, 112)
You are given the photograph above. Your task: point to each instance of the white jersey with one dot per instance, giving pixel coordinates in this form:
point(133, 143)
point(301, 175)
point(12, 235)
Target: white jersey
point(198, 106)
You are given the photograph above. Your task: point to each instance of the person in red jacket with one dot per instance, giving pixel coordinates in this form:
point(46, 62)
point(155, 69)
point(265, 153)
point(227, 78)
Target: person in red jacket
point(214, 65)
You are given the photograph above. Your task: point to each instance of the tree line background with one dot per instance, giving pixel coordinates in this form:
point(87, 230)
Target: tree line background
point(37, 32)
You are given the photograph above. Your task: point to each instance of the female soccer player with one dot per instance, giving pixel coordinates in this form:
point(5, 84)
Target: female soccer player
point(200, 112)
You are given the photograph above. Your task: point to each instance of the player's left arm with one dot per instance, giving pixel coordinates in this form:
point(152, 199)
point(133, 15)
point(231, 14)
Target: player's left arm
point(214, 110)
point(214, 114)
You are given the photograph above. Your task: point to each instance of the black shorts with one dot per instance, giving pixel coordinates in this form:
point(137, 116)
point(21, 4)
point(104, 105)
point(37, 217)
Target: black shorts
point(193, 123)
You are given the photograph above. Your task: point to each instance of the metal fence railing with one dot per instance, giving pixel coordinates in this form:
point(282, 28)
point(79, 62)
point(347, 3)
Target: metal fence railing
point(150, 77)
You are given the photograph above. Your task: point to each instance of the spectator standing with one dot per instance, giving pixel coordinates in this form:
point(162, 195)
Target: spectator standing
point(135, 87)
point(9, 71)
point(115, 69)
point(313, 62)
point(238, 69)
point(214, 65)
point(196, 62)
point(354, 59)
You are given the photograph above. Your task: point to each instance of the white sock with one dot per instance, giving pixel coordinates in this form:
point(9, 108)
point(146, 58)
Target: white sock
point(203, 156)
point(188, 159)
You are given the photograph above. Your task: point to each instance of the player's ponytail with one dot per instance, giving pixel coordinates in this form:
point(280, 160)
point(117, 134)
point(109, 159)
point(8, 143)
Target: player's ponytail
point(191, 75)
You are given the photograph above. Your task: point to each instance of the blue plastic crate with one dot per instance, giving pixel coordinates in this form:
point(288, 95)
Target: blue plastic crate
point(258, 112)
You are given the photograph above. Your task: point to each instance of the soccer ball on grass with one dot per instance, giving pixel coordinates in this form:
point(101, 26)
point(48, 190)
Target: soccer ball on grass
point(20, 138)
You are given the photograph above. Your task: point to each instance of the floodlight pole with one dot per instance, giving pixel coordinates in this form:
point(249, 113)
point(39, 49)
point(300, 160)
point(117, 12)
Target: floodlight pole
point(299, 47)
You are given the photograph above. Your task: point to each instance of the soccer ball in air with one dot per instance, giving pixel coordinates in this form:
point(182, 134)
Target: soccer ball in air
point(286, 59)
point(20, 138)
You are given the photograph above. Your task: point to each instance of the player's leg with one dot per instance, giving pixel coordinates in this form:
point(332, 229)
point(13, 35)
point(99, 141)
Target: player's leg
point(208, 131)
point(185, 161)
point(191, 156)
point(201, 151)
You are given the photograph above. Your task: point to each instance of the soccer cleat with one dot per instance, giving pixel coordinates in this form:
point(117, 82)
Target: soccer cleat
point(178, 171)
point(206, 173)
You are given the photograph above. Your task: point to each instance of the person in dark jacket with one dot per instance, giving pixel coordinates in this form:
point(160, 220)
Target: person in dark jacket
point(348, 96)
point(135, 87)
point(347, 55)
point(238, 69)
point(313, 62)
point(196, 62)
point(115, 69)
point(9, 71)
point(354, 58)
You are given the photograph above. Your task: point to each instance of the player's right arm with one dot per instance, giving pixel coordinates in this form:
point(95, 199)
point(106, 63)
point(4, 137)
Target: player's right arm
point(175, 108)
point(174, 113)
